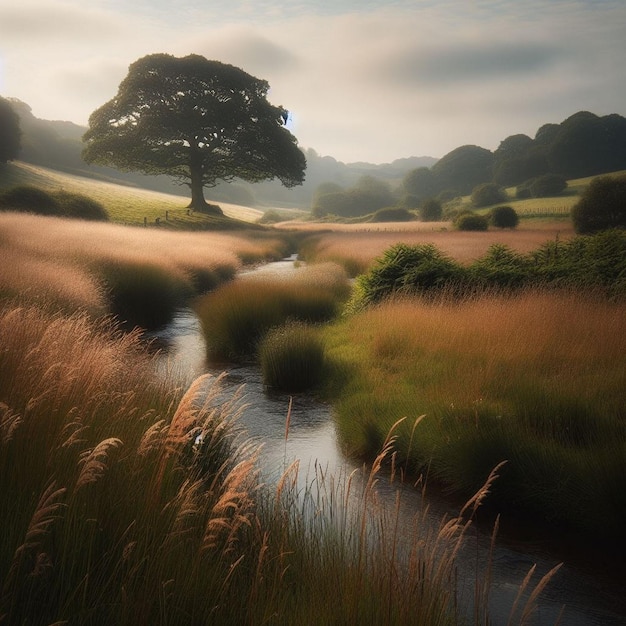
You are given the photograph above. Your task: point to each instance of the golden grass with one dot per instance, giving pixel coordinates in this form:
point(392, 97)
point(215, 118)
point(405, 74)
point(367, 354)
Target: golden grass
point(555, 340)
point(357, 248)
point(62, 260)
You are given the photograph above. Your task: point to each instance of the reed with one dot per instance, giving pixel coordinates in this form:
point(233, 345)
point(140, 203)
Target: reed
point(127, 499)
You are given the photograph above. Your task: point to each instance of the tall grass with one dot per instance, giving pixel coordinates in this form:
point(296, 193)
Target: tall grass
point(292, 357)
point(236, 317)
point(127, 500)
point(138, 275)
point(535, 379)
point(357, 250)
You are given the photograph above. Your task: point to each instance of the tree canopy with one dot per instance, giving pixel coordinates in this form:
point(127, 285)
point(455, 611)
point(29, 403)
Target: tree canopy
point(196, 120)
point(10, 133)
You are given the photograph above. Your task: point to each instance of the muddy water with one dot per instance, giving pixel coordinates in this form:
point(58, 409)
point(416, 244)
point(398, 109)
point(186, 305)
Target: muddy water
point(591, 596)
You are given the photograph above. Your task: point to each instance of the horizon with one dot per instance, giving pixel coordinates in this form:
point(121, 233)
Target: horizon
point(369, 82)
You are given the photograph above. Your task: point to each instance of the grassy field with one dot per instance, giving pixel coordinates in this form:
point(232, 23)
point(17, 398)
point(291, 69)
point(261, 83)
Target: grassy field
point(122, 495)
point(537, 380)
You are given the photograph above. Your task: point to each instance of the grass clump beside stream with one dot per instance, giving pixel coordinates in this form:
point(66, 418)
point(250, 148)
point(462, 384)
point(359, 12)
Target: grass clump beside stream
point(535, 379)
point(292, 357)
point(237, 316)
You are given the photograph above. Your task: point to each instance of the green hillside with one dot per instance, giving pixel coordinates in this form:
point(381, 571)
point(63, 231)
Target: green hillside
point(126, 204)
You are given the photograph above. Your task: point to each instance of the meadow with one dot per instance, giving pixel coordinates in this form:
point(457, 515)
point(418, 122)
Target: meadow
point(126, 204)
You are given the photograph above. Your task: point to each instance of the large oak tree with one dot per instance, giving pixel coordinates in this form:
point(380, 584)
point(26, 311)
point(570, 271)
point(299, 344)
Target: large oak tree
point(197, 120)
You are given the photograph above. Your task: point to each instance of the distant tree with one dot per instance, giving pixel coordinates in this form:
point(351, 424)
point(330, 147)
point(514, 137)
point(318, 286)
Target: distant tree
point(10, 133)
point(504, 217)
point(602, 205)
point(586, 145)
point(464, 168)
point(486, 194)
point(196, 120)
point(431, 210)
point(419, 183)
point(378, 191)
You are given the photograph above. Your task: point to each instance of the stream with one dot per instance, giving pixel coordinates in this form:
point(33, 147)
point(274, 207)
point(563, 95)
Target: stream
point(592, 596)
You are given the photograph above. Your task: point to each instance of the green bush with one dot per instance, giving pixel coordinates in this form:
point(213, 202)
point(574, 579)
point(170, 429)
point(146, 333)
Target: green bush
point(471, 221)
point(602, 205)
point(487, 194)
point(504, 217)
point(82, 207)
point(501, 267)
point(393, 214)
point(292, 358)
point(405, 269)
point(30, 199)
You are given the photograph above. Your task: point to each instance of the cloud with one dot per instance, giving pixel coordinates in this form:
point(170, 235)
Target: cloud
point(42, 22)
point(363, 80)
point(462, 63)
point(249, 49)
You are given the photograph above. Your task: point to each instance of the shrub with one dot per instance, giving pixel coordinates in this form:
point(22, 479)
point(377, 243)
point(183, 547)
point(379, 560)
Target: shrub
point(471, 221)
point(487, 194)
point(82, 207)
point(393, 214)
point(30, 199)
point(504, 217)
point(405, 269)
point(292, 358)
point(501, 267)
point(431, 210)
point(602, 205)
point(270, 217)
point(547, 185)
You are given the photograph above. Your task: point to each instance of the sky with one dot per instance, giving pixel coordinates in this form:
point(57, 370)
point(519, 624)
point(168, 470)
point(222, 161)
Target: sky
point(363, 80)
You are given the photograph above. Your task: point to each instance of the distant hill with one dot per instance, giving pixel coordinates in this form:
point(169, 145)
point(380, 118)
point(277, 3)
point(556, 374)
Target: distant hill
point(582, 145)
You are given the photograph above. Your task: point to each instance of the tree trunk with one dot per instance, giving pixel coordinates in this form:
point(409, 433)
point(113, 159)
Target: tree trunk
point(198, 203)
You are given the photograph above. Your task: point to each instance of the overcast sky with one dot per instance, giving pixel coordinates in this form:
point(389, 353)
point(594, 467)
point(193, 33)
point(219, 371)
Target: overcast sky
point(364, 80)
